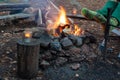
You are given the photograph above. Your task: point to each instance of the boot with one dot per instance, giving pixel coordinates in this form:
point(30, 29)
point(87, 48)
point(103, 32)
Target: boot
point(112, 4)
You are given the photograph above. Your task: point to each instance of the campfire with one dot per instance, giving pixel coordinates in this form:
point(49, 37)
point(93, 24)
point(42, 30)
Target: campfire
point(61, 32)
point(62, 24)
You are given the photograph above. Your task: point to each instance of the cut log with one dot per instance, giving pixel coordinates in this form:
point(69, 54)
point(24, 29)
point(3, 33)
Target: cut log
point(14, 5)
point(27, 57)
point(11, 9)
point(16, 16)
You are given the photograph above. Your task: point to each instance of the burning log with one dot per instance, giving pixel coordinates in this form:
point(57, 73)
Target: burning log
point(62, 29)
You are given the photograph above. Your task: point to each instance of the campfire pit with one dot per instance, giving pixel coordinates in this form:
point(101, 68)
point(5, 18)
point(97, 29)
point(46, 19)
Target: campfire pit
point(61, 40)
point(60, 32)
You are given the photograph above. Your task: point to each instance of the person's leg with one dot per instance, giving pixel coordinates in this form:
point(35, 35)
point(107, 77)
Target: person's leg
point(112, 4)
point(116, 15)
point(99, 15)
point(93, 15)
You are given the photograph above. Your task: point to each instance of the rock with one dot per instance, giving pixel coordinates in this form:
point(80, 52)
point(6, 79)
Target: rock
point(72, 38)
point(38, 78)
point(44, 44)
point(7, 52)
point(14, 69)
point(45, 40)
point(118, 73)
point(61, 60)
point(40, 73)
point(73, 51)
point(119, 55)
point(66, 43)
point(6, 78)
point(79, 41)
point(76, 75)
point(13, 62)
point(45, 63)
point(38, 31)
point(55, 45)
point(7, 35)
point(36, 35)
point(53, 52)
point(76, 59)
point(62, 53)
point(46, 56)
point(2, 31)
point(85, 49)
point(92, 55)
point(75, 66)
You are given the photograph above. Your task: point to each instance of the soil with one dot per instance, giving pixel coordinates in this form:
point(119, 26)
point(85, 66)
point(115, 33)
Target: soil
point(94, 69)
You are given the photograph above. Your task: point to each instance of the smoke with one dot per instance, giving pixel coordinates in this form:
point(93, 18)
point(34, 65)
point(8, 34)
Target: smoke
point(46, 8)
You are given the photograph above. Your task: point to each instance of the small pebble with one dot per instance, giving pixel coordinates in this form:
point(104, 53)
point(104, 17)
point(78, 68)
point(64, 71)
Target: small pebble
point(2, 31)
point(118, 73)
point(76, 75)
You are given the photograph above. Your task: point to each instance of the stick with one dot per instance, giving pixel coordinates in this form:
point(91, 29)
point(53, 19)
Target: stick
point(54, 5)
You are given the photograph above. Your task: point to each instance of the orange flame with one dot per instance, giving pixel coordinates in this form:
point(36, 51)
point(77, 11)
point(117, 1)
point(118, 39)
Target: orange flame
point(78, 30)
point(61, 19)
point(61, 22)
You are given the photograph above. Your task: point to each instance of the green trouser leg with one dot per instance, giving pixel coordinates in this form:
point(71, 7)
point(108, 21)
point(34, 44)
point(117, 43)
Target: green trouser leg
point(99, 15)
point(109, 4)
point(114, 20)
point(116, 15)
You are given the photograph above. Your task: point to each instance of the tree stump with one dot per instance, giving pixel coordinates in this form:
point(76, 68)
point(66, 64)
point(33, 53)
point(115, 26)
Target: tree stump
point(27, 55)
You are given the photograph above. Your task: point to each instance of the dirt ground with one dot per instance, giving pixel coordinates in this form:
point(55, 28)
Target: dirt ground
point(93, 70)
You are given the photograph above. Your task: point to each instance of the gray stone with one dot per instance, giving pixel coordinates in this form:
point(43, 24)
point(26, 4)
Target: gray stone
point(93, 55)
point(36, 35)
point(72, 38)
point(7, 35)
point(79, 41)
point(55, 45)
point(77, 58)
point(61, 60)
point(119, 55)
point(45, 63)
point(75, 66)
point(47, 55)
point(38, 31)
point(45, 39)
point(44, 44)
point(53, 52)
point(66, 43)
